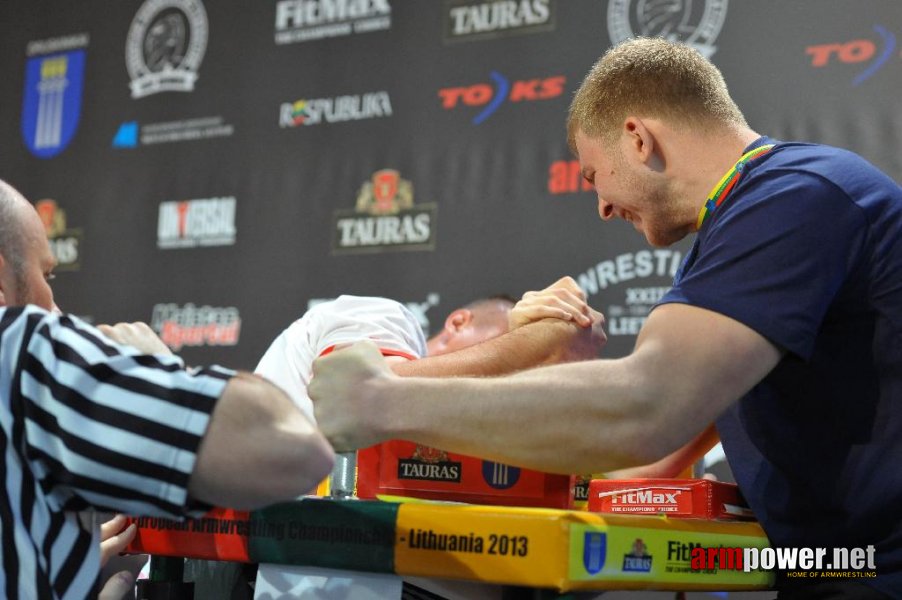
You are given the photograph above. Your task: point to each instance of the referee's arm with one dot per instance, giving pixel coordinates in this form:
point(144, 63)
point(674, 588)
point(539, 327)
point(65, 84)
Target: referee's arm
point(258, 449)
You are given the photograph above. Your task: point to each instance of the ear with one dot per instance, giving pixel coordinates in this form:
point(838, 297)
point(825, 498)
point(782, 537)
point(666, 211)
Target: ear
point(457, 320)
point(641, 143)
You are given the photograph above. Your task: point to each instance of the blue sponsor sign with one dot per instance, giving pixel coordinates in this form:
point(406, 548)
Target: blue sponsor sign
point(500, 476)
point(594, 549)
point(51, 105)
point(126, 136)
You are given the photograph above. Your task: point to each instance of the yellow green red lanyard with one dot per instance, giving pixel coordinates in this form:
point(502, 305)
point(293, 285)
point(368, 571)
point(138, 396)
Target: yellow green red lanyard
point(726, 184)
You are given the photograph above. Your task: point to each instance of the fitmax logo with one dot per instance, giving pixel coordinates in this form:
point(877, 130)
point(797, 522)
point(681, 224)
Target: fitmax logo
point(872, 54)
point(492, 95)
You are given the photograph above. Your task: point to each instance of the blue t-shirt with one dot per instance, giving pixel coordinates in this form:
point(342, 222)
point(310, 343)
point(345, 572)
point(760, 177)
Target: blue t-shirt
point(805, 251)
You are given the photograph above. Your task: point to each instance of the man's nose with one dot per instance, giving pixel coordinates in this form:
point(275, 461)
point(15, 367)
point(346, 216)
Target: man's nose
point(605, 210)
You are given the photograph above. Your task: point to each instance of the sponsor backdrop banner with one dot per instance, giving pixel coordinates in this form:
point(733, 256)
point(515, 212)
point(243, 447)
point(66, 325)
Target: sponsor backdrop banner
point(215, 168)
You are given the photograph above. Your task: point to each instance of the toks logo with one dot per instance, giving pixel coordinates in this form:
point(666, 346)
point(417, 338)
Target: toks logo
point(870, 54)
point(483, 94)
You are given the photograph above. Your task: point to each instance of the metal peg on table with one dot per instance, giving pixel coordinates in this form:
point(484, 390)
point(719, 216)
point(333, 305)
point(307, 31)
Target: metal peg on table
point(344, 475)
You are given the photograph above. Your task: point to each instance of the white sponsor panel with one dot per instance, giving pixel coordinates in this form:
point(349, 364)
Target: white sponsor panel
point(191, 325)
point(493, 18)
point(199, 222)
point(306, 20)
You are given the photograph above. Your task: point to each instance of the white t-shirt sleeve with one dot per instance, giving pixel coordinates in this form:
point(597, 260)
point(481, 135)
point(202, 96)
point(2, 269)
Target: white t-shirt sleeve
point(389, 324)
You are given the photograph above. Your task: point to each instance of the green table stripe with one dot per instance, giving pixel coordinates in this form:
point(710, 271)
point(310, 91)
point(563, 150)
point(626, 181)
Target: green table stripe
point(346, 534)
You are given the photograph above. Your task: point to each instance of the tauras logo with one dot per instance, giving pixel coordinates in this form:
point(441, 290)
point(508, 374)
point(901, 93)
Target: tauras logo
point(370, 105)
point(302, 20)
point(385, 218)
point(497, 17)
point(200, 222)
point(638, 560)
point(191, 325)
point(440, 471)
point(64, 242)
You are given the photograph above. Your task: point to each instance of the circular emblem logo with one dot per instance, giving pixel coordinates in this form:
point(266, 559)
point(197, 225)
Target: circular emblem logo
point(694, 23)
point(500, 476)
point(165, 46)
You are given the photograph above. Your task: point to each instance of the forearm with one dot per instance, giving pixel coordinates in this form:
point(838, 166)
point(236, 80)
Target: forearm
point(528, 346)
point(598, 417)
point(674, 463)
point(256, 429)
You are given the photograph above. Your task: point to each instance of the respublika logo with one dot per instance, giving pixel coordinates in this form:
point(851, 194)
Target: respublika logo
point(51, 103)
point(64, 242)
point(500, 476)
point(479, 19)
point(305, 20)
point(637, 561)
point(166, 44)
point(191, 325)
point(385, 218)
point(491, 98)
point(594, 551)
point(694, 23)
point(870, 54)
point(354, 107)
point(201, 222)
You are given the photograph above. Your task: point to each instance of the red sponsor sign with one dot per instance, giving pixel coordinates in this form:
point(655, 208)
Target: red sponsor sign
point(697, 498)
point(402, 468)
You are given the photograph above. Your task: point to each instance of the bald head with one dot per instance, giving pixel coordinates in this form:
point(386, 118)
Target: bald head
point(12, 236)
point(26, 262)
point(476, 322)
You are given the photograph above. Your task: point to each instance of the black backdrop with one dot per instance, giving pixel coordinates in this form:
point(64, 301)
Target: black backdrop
point(220, 212)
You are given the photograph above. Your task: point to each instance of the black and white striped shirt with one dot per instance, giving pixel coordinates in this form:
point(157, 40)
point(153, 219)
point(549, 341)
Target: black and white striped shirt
point(86, 423)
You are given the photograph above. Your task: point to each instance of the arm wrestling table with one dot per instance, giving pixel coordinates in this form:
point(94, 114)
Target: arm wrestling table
point(559, 550)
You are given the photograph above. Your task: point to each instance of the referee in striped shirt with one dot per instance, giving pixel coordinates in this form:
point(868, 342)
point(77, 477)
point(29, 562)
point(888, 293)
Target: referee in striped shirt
point(88, 423)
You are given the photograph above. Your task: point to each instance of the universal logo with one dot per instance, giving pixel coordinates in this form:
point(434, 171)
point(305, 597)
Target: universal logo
point(694, 23)
point(166, 44)
point(385, 218)
point(199, 222)
point(466, 20)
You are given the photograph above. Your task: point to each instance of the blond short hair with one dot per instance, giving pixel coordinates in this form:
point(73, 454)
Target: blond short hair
point(650, 77)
